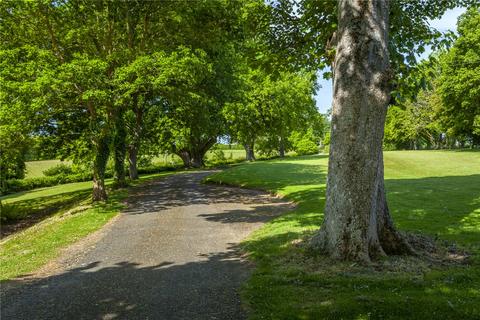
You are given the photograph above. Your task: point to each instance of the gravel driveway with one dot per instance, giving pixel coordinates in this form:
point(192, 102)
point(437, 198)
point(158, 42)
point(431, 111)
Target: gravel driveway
point(173, 254)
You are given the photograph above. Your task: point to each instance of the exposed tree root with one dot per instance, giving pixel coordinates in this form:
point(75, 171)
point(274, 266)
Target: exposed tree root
point(418, 252)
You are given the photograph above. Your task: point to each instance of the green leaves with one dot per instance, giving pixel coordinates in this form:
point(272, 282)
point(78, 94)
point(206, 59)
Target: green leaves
point(270, 108)
point(459, 83)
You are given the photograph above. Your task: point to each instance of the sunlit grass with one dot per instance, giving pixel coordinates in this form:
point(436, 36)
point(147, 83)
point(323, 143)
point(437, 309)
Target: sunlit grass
point(34, 169)
point(432, 192)
point(29, 249)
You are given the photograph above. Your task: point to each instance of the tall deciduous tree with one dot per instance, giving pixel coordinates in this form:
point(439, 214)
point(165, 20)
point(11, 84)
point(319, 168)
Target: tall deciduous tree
point(153, 83)
point(357, 223)
point(373, 43)
point(459, 81)
point(24, 101)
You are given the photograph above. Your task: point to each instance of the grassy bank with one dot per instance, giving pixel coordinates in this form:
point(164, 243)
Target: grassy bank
point(31, 248)
point(432, 192)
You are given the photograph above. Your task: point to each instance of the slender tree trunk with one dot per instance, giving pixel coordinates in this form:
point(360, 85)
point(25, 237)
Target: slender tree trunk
point(136, 135)
point(120, 150)
point(100, 163)
point(281, 149)
point(249, 151)
point(3, 175)
point(357, 224)
point(132, 161)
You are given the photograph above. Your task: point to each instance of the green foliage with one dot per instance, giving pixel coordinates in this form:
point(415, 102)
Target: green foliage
point(23, 76)
point(432, 192)
point(415, 125)
point(326, 139)
point(218, 156)
point(59, 169)
point(267, 108)
point(459, 81)
point(445, 114)
point(304, 143)
point(303, 35)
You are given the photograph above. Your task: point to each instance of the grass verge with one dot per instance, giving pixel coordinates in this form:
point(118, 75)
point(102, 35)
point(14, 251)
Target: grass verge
point(432, 192)
point(28, 250)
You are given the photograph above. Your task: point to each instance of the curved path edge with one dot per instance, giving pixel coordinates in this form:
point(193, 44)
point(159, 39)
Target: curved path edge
point(172, 254)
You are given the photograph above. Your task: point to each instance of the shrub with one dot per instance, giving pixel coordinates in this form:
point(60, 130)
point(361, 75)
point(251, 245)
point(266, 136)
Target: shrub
point(218, 156)
point(156, 169)
point(304, 143)
point(221, 146)
point(305, 146)
point(326, 139)
point(63, 169)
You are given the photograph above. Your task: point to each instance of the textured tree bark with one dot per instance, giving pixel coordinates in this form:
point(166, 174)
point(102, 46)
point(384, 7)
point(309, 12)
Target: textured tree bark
point(136, 134)
point(100, 163)
point(120, 150)
point(249, 151)
point(199, 150)
point(197, 159)
point(281, 148)
point(185, 156)
point(132, 162)
point(357, 224)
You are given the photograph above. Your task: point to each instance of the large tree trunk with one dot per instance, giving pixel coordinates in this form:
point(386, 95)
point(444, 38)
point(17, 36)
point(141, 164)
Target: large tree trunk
point(194, 155)
point(120, 150)
point(249, 151)
point(100, 163)
point(197, 159)
point(199, 150)
point(185, 156)
point(132, 162)
point(357, 224)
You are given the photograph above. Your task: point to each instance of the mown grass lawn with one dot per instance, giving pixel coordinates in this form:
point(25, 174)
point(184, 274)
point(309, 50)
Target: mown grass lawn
point(431, 192)
point(34, 169)
point(26, 251)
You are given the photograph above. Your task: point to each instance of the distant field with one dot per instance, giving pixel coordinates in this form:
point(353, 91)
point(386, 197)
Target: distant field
point(174, 159)
point(229, 154)
point(35, 168)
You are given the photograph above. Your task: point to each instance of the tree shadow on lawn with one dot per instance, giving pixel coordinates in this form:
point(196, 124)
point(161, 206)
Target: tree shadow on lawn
point(275, 175)
point(443, 207)
point(295, 285)
point(291, 283)
point(203, 289)
point(22, 214)
point(318, 288)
